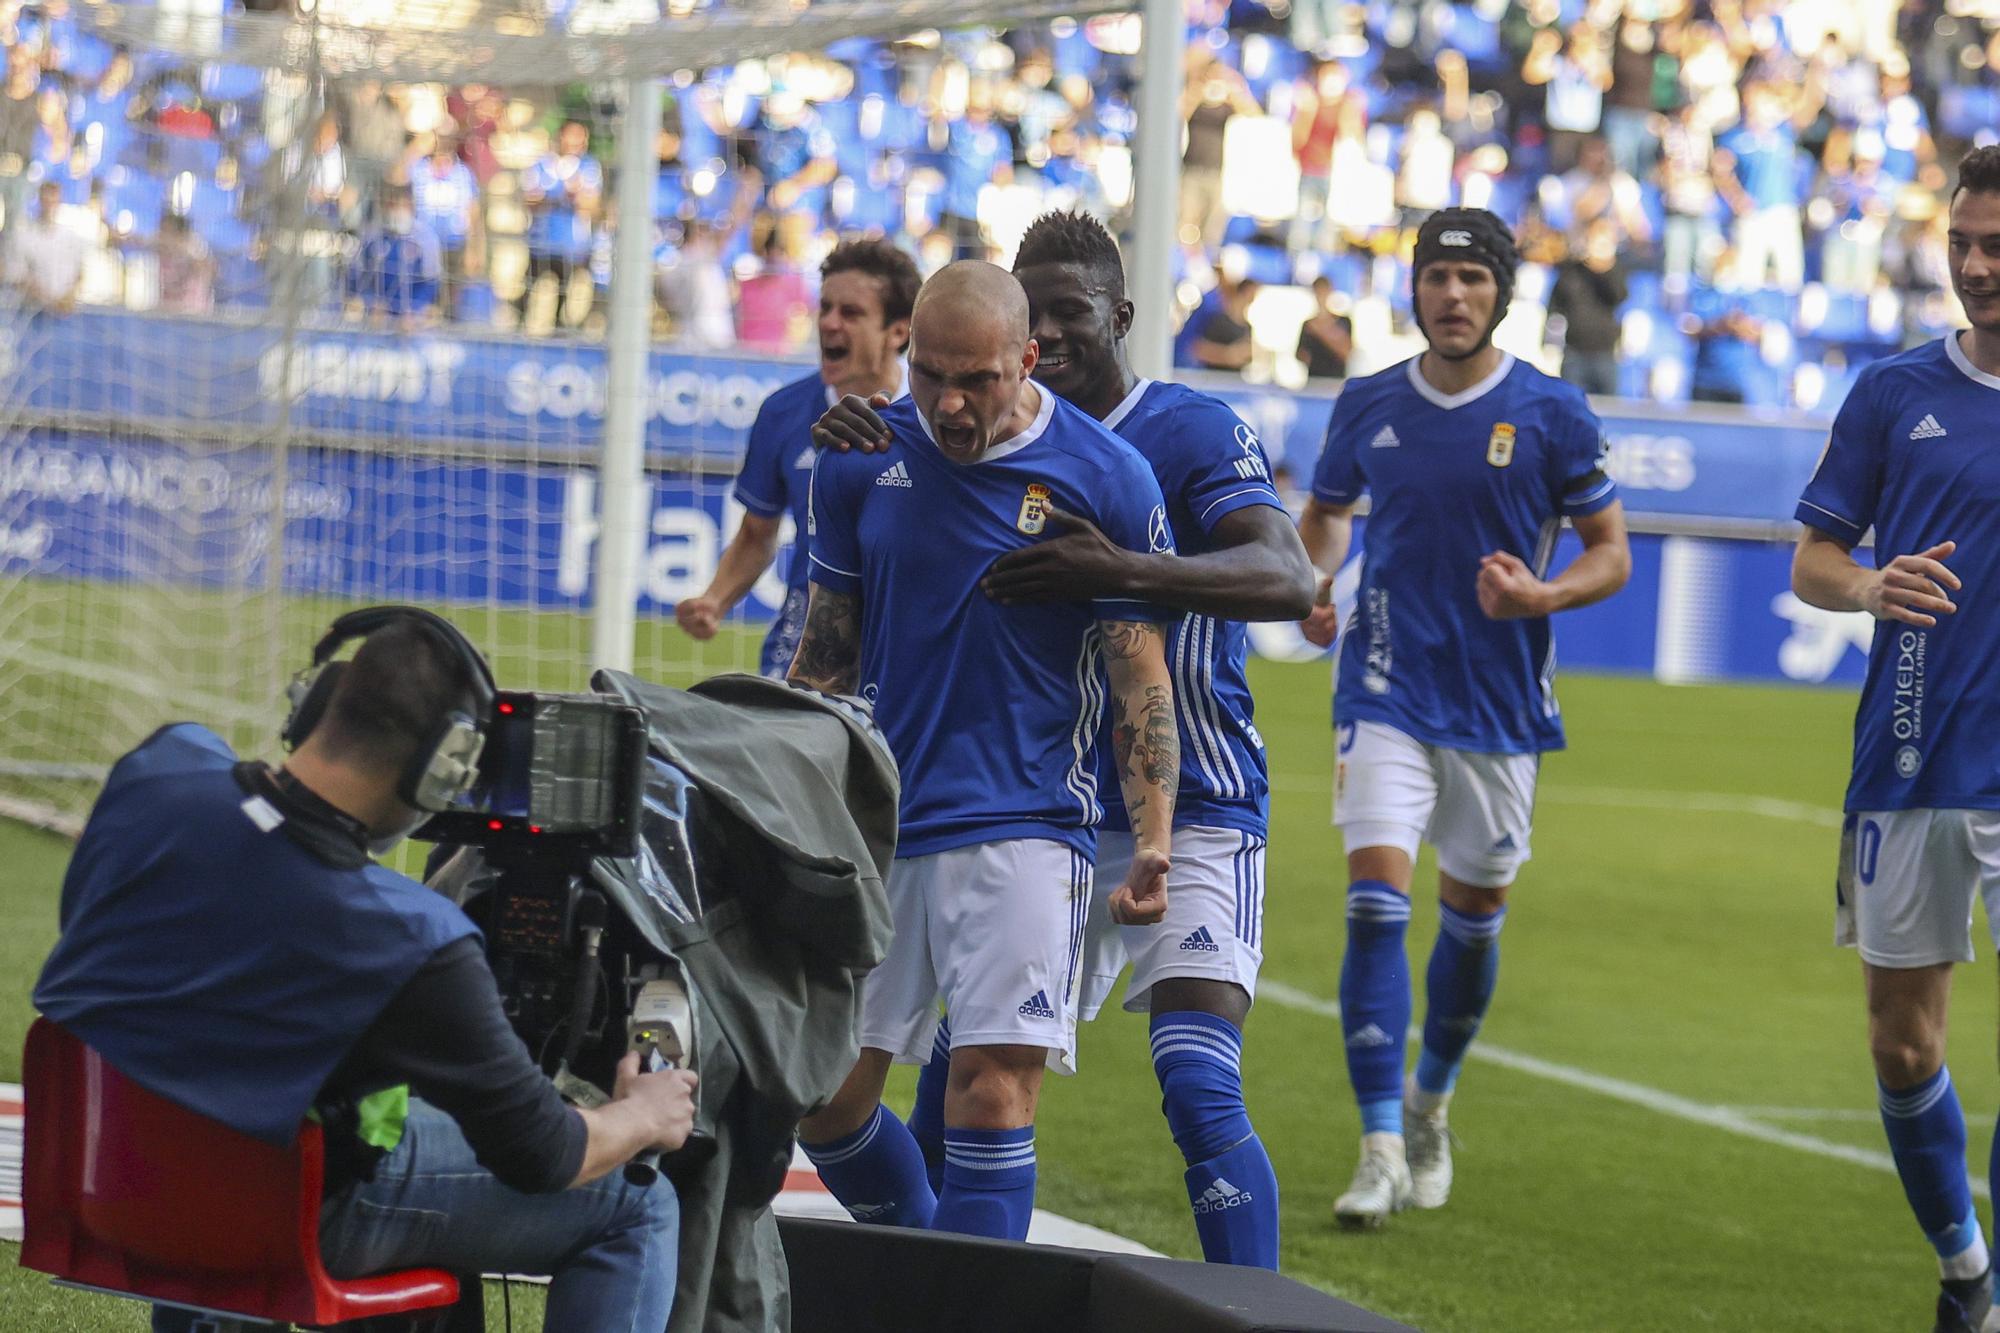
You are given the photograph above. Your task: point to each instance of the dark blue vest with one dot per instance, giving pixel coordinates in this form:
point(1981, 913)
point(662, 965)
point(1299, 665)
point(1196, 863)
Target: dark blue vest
point(211, 957)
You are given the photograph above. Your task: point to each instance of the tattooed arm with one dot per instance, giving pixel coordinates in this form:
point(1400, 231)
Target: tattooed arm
point(1146, 743)
point(829, 656)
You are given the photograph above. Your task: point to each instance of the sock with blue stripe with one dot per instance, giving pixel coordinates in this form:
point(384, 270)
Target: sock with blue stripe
point(877, 1173)
point(927, 1114)
point(989, 1182)
point(1230, 1183)
point(1375, 1002)
point(1927, 1138)
point(1458, 985)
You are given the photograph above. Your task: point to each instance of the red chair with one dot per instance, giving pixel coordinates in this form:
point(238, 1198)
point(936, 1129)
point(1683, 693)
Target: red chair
point(128, 1193)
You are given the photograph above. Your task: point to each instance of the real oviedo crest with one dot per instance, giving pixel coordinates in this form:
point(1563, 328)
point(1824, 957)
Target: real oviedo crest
point(1500, 445)
point(1034, 510)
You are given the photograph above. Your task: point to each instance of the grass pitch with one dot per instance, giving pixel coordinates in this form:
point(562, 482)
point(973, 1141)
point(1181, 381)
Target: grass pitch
point(1666, 967)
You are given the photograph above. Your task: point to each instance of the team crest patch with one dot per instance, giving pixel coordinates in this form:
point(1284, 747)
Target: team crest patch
point(1500, 445)
point(1034, 510)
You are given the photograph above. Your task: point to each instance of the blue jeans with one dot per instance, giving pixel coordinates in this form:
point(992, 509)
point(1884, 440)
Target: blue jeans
point(610, 1247)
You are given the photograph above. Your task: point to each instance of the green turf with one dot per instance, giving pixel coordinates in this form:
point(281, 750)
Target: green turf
point(1664, 934)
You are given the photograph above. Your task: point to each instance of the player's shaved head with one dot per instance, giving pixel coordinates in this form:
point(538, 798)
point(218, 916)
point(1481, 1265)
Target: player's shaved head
point(970, 358)
point(973, 294)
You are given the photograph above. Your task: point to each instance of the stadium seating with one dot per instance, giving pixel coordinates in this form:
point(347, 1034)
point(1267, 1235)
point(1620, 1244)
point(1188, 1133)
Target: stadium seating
point(130, 1194)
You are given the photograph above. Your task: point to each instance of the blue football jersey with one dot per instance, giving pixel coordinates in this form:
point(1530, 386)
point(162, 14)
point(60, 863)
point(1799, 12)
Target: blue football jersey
point(990, 710)
point(1209, 464)
point(1915, 454)
point(1452, 478)
point(775, 480)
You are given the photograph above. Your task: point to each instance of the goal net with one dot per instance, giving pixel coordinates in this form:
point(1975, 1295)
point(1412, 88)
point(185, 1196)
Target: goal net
point(306, 311)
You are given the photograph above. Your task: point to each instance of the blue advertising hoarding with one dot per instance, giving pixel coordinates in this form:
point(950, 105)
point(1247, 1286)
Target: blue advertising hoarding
point(499, 505)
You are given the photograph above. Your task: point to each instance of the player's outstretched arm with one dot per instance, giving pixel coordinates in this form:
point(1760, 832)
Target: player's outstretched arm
point(1913, 589)
point(1259, 570)
point(1327, 532)
point(1146, 744)
point(749, 553)
point(829, 655)
point(1509, 590)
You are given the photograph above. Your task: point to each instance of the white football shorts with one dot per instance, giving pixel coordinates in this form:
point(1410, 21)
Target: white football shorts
point(1214, 925)
point(996, 931)
point(1392, 790)
point(1907, 881)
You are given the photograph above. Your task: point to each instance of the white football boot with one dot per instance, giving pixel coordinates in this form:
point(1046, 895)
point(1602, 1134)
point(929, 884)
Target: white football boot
point(1381, 1185)
point(1427, 1148)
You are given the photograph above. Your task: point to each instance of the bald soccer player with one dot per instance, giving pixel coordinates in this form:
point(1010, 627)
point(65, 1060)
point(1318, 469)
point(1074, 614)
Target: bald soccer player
point(990, 711)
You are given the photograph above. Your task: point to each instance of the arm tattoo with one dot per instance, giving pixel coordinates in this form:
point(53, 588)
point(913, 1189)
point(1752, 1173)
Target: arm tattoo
point(1126, 639)
point(829, 656)
point(1145, 741)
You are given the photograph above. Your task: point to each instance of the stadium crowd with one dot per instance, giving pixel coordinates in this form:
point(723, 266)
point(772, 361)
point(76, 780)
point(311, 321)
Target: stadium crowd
point(1725, 200)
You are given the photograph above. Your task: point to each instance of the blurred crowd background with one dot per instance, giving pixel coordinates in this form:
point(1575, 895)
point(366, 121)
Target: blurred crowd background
point(1720, 200)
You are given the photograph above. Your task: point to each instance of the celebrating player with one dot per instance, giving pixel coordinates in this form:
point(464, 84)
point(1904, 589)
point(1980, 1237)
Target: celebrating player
point(1239, 560)
point(866, 291)
point(990, 711)
point(1446, 682)
point(1912, 456)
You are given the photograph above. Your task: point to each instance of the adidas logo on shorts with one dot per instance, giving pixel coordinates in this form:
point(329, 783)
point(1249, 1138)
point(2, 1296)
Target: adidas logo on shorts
point(1201, 942)
point(1371, 1036)
point(1037, 1006)
point(1221, 1195)
point(896, 476)
point(1506, 844)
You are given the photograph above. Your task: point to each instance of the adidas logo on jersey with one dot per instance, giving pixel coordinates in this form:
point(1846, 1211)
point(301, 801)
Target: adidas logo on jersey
point(1221, 1195)
point(1385, 438)
point(896, 476)
point(1927, 429)
point(1201, 942)
point(1371, 1035)
point(1037, 1006)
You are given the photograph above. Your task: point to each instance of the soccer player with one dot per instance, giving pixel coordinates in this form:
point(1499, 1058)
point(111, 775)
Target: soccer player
point(1445, 686)
point(1914, 456)
point(990, 711)
point(1239, 560)
point(866, 291)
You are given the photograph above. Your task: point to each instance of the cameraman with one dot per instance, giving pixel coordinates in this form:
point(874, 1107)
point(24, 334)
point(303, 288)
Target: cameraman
point(228, 943)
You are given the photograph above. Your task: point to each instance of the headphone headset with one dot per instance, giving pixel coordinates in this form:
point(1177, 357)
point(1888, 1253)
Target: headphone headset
point(446, 763)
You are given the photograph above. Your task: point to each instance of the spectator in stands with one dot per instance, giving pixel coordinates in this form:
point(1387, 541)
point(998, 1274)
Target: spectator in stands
point(1575, 74)
point(1590, 286)
point(1757, 169)
point(1214, 96)
point(774, 304)
point(1726, 337)
point(1316, 107)
point(46, 257)
point(1423, 185)
point(1630, 111)
point(1224, 342)
point(376, 130)
point(1326, 339)
point(562, 192)
point(327, 195)
point(694, 291)
point(50, 151)
point(1596, 188)
point(186, 269)
point(1850, 210)
point(446, 194)
point(1688, 192)
point(795, 161)
point(109, 108)
point(397, 267)
point(979, 153)
point(18, 98)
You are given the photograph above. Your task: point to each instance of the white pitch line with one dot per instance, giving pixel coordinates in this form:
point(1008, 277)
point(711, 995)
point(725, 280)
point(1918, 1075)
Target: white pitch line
point(1642, 798)
point(1853, 1113)
point(1730, 1120)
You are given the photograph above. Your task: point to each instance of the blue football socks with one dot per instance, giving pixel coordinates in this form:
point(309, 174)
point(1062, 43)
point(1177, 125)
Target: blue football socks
point(1927, 1138)
point(1375, 1002)
point(1230, 1183)
point(877, 1173)
point(1458, 985)
point(989, 1182)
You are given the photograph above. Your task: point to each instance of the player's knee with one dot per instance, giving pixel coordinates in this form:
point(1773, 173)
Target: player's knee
point(1902, 1059)
point(1472, 899)
point(993, 1087)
